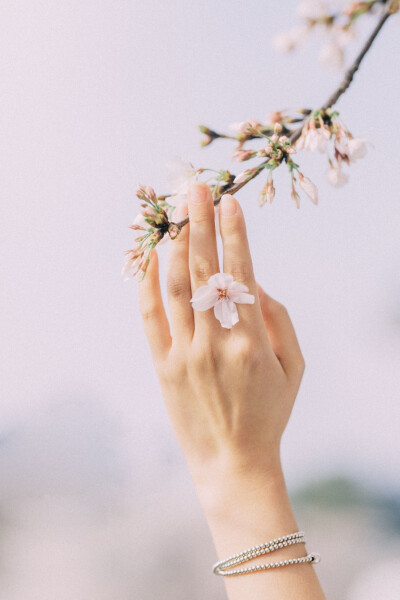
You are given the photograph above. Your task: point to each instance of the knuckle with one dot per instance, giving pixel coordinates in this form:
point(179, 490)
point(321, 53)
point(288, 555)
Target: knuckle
point(174, 369)
point(200, 217)
point(297, 368)
point(202, 270)
point(241, 270)
point(301, 365)
point(203, 358)
point(277, 309)
point(150, 313)
point(176, 287)
point(244, 352)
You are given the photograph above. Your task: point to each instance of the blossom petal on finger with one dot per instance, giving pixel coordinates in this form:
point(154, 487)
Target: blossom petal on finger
point(221, 280)
point(226, 313)
point(242, 298)
point(204, 297)
point(236, 286)
point(222, 292)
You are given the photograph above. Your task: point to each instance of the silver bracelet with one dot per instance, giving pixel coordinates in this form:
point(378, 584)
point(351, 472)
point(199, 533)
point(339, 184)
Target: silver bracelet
point(223, 567)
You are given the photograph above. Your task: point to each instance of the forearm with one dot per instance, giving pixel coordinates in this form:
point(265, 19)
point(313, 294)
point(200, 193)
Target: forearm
point(245, 509)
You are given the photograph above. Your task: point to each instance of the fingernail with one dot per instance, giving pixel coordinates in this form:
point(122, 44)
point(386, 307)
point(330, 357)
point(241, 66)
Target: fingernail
point(228, 205)
point(180, 212)
point(198, 192)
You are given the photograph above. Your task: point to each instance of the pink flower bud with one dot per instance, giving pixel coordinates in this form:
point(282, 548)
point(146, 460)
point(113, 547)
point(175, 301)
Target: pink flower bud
point(244, 176)
point(309, 187)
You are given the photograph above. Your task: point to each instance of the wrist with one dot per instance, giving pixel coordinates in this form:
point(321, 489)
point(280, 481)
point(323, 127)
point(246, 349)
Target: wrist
point(245, 504)
point(235, 475)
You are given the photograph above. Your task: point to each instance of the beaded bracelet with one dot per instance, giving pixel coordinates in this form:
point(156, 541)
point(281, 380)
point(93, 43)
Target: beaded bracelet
point(223, 567)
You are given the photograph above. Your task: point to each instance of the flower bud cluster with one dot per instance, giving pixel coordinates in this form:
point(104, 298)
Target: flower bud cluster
point(324, 131)
point(150, 226)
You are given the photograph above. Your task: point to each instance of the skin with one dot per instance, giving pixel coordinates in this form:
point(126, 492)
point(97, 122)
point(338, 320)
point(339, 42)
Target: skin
point(229, 395)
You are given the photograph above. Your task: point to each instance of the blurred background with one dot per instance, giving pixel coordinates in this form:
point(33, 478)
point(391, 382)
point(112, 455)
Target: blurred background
point(96, 96)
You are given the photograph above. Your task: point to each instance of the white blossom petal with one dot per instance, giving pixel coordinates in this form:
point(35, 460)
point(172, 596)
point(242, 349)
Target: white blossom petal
point(226, 313)
point(204, 297)
point(221, 281)
point(311, 141)
point(181, 174)
point(242, 298)
point(236, 286)
point(129, 268)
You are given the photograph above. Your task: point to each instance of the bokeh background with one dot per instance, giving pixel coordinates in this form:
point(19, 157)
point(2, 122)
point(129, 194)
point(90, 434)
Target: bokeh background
point(96, 96)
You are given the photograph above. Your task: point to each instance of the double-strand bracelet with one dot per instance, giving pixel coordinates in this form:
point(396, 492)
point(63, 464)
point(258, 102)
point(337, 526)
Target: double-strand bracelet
point(224, 567)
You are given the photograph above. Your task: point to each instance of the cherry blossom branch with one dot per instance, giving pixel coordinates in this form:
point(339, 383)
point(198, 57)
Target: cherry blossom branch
point(332, 100)
point(314, 129)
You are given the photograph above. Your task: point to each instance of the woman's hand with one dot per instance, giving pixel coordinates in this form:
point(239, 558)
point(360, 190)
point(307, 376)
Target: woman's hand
point(229, 393)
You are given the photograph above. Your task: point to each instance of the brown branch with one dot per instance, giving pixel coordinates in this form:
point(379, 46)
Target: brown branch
point(348, 78)
point(344, 85)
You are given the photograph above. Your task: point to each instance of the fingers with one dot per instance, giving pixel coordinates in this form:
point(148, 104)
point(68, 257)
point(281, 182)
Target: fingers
point(282, 335)
point(178, 281)
point(152, 310)
point(203, 255)
point(237, 259)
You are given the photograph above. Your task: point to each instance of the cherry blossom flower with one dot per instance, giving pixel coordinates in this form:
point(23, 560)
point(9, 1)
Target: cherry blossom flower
point(336, 25)
point(350, 149)
point(222, 293)
point(181, 174)
point(244, 126)
point(331, 55)
point(357, 148)
point(314, 10)
point(286, 41)
point(336, 177)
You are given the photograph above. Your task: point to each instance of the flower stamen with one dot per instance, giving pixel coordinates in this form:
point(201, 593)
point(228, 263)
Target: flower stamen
point(222, 293)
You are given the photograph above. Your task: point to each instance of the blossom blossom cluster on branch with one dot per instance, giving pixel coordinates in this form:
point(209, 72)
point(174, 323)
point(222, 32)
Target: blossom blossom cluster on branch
point(274, 144)
point(337, 26)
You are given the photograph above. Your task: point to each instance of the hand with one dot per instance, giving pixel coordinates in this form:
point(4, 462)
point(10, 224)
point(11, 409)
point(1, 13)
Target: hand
point(229, 393)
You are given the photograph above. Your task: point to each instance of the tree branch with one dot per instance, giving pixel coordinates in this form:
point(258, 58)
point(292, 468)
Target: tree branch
point(344, 85)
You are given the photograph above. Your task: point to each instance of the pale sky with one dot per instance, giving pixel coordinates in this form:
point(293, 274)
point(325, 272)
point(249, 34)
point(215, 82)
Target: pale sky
point(96, 97)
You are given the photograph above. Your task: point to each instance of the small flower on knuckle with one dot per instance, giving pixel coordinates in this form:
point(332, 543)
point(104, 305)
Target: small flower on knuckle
point(222, 293)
